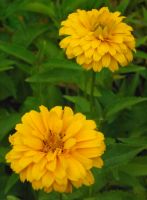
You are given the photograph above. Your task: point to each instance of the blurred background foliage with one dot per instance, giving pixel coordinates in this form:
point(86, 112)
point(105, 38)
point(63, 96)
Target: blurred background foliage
point(34, 71)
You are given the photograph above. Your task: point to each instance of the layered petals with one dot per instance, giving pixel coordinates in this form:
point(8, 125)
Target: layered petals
point(56, 149)
point(97, 39)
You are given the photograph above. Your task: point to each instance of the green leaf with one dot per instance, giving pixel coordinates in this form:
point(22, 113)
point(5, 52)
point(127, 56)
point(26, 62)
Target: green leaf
point(18, 52)
point(3, 151)
point(27, 34)
point(5, 68)
point(40, 8)
point(119, 154)
point(123, 103)
point(7, 86)
point(141, 54)
point(71, 5)
point(7, 123)
point(12, 180)
point(5, 64)
point(111, 195)
point(31, 103)
point(128, 180)
point(82, 104)
point(57, 75)
point(136, 167)
point(123, 6)
point(45, 196)
point(10, 197)
point(60, 63)
point(135, 141)
point(13, 7)
point(131, 69)
point(51, 50)
point(141, 41)
point(95, 3)
point(133, 84)
point(145, 14)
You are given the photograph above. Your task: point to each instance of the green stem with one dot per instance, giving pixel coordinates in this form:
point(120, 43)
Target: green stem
point(60, 196)
point(85, 85)
point(36, 196)
point(92, 102)
point(90, 191)
point(38, 67)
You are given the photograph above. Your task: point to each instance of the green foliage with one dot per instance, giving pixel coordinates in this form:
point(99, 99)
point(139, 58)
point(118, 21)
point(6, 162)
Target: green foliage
point(34, 71)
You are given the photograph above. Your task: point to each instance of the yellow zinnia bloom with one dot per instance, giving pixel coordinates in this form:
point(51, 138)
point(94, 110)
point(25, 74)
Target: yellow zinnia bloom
point(55, 150)
point(97, 39)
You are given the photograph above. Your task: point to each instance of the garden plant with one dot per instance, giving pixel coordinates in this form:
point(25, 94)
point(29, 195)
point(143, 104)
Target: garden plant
point(73, 100)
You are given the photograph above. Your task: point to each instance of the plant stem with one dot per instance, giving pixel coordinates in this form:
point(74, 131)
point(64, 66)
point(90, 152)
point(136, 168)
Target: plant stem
point(85, 85)
point(38, 67)
point(90, 191)
point(60, 196)
point(93, 78)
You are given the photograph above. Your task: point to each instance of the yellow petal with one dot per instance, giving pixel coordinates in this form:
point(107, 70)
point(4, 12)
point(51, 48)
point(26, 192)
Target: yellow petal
point(33, 142)
point(36, 172)
point(89, 53)
point(95, 44)
point(117, 38)
point(59, 188)
point(24, 162)
point(97, 66)
point(89, 179)
point(11, 138)
point(129, 56)
point(75, 169)
point(89, 124)
point(113, 65)
point(87, 163)
point(77, 184)
point(80, 59)
point(37, 120)
point(65, 42)
point(97, 162)
point(77, 51)
point(22, 175)
point(96, 56)
point(79, 116)
point(88, 144)
point(60, 170)
point(89, 152)
point(121, 59)
point(58, 110)
point(48, 179)
point(38, 157)
point(106, 60)
point(45, 116)
point(69, 187)
point(67, 117)
point(52, 165)
point(103, 48)
point(71, 131)
point(37, 184)
point(55, 123)
point(69, 143)
point(85, 135)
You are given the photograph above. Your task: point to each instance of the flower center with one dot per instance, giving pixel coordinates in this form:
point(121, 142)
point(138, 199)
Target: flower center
point(54, 142)
point(100, 32)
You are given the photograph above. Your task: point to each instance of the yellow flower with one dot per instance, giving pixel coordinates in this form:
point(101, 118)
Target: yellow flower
point(55, 150)
point(97, 39)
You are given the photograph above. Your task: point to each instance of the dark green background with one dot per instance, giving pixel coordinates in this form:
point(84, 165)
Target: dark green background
point(34, 71)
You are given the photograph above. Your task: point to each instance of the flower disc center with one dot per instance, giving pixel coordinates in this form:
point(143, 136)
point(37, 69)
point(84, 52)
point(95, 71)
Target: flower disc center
point(100, 32)
point(54, 142)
